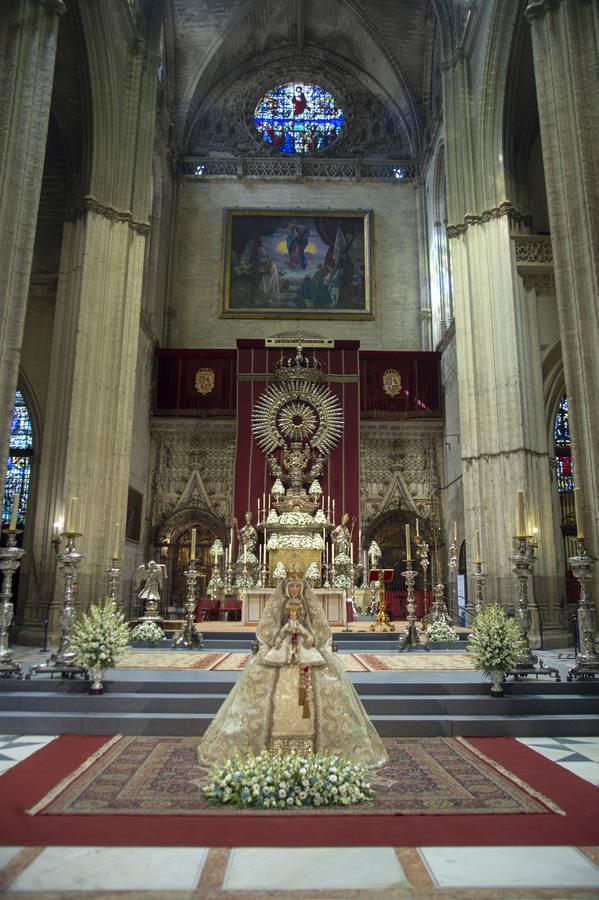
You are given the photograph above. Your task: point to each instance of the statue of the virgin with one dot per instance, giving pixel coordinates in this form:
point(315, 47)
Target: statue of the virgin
point(294, 693)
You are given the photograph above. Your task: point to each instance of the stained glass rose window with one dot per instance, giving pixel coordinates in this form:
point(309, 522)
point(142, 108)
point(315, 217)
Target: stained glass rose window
point(298, 118)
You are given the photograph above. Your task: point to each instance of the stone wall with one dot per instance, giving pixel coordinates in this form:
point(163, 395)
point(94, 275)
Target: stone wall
point(197, 261)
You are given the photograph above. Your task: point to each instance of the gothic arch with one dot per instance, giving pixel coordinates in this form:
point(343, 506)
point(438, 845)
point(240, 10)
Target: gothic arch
point(169, 531)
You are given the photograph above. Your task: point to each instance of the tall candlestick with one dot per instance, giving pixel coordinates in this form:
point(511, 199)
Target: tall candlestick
point(231, 544)
point(578, 505)
point(478, 559)
point(258, 510)
point(333, 519)
point(417, 528)
point(117, 546)
point(14, 510)
point(264, 502)
point(322, 502)
point(408, 547)
point(72, 518)
point(269, 498)
point(226, 559)
point(455, 532)
point(351, 554)
point(192, 555)
point(332, 554)
point(521, 524)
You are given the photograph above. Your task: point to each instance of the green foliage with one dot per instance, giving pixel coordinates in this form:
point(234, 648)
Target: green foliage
point(100, 636)
point(496, 641)
point(287, 781)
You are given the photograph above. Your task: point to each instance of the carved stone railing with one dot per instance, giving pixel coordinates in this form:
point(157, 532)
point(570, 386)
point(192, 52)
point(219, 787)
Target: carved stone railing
point(534, 259)
point(194, 167)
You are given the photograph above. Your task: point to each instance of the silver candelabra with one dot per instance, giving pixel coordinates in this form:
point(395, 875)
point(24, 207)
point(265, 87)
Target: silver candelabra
point(410, 638)
point(523, 559)
point(479, 578)
point(453, 566)
point(10, 560)
point(587, 660)
point(188, 636)
point(440, 613)
point(423, 554)
point(63, 659)
point(114, 582)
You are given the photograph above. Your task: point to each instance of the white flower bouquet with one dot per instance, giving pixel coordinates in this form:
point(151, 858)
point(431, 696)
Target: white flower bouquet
point(295, 541)
point(296, 518)
point(342, 582)
point(100, 636)
point(496, 641)
point(273, 517)
point(280, 571)
point(244, 581)
point(288, 781)
point(312, 572)
point(342, 559)
point(277, 489)
point(315, 489)
point(217, 549)
point(441, 631)
point(149, 632)
point(320, 517)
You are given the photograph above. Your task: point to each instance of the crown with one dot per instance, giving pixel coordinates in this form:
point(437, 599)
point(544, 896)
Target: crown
point(299, 367)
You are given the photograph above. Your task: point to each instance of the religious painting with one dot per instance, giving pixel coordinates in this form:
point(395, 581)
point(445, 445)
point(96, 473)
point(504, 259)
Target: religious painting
point(134, 508)
point(298, 264)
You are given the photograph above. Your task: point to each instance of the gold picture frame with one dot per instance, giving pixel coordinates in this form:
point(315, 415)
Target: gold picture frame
point(297, 264)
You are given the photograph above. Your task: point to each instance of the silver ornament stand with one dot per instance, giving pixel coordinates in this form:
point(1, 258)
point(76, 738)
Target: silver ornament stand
point(188, 636)
point(410, 637)
point(523, 559)
point(587, 660)
point(479, 579)
point(423, 553)
point(453, 566)
point(114, 583)
point(63, 660)
point(440, 613)
point(10, 560)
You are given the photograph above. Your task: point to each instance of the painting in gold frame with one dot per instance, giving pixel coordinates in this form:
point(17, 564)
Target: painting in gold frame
point(297, 264)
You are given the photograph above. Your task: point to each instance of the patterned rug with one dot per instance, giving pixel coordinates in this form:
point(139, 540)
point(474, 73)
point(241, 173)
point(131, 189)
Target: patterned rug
point(159, 776)
point(435, 661)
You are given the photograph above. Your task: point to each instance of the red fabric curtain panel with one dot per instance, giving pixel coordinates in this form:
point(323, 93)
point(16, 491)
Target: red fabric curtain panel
point(416, 393)
point(195, 383)
point(340, 479)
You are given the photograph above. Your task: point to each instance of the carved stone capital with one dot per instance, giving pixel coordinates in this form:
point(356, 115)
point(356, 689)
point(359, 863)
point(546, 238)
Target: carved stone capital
point(54, 6)
point(91, 204)
point(536, 9)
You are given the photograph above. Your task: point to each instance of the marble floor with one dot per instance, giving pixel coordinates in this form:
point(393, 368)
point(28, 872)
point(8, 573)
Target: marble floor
point(246, 873)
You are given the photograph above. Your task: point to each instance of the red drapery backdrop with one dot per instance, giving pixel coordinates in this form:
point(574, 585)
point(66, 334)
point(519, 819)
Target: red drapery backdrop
point(341, 477)
point(176, 392)
point(420, 393)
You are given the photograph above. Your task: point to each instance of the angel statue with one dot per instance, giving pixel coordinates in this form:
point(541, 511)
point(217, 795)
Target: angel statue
point(149, 596)
point(374, 555)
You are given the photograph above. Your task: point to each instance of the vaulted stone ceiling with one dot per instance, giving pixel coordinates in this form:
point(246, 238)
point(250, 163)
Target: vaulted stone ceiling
point(391, 47)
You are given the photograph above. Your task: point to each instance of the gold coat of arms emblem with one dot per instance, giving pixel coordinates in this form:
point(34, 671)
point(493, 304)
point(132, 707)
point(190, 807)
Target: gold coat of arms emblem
point(204, 381)
point(392, 382)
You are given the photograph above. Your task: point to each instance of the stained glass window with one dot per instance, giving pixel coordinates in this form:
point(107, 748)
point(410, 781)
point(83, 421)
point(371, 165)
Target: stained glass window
point(298, 118)
point(563, 453)
point(18, 464)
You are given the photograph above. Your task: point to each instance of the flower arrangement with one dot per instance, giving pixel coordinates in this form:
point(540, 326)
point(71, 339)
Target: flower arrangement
point(315, 489)
point(217, 549)
point(244, 580)
point(296, 518)
point(342, 582)
point(215, 584)
point(147, 631)
point(312, 572)
point(441, 631)
point(288, 780)
point(277, 489)
point(280, 571)
point(496, 641)
point(273, 517)
point(320, 517)
point(342, 559)
point(295, 541)
point(100, 636)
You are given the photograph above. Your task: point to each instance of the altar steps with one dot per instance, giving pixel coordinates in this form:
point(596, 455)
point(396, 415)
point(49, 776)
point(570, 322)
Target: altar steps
point(185, 706)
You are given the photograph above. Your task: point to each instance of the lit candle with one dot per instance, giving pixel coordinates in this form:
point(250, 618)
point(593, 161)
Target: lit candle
point(117, 548)
point(455, 532)
point(478, 559)
point(71, 521)
point(192, 555)
point(408, 546)
point(521, 525)
point(14, 511)
point(578, 505)
point(417, 528)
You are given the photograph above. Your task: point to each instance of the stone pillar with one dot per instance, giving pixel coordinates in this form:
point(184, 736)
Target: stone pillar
point(565, 40)
point(87, 439)
point(28, 39)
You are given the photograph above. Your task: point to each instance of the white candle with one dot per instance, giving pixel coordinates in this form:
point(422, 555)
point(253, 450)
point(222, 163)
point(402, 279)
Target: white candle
point(578, 505)
point(478, 558)
point(14, 511)
point(417, 528)
point(226, 559)
point(351, 554)
point(322, 502)
point(192, 555)
point(264, 502)
point(269, 502)
point(117, 547)
point(408, 546)
point(455, 532)
point(72, 518)
point(231, 541)
point(258, 510)
point(333, 519)
point(365, 561)
point(332, 554)
point(520, 525)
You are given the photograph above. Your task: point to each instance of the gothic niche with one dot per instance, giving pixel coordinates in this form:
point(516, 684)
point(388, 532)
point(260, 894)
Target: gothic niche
point(176, 556)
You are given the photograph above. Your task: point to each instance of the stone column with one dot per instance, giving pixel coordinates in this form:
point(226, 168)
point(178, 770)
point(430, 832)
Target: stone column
point(28, 39)
point(565, 40)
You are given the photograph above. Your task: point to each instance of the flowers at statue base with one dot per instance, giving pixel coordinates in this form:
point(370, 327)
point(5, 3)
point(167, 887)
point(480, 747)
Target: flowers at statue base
point(147, 631)
point(100, 636)
point(312, 572)
point(441, 631)
point(288, 781)
point(496, 642)
point(280, 571)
